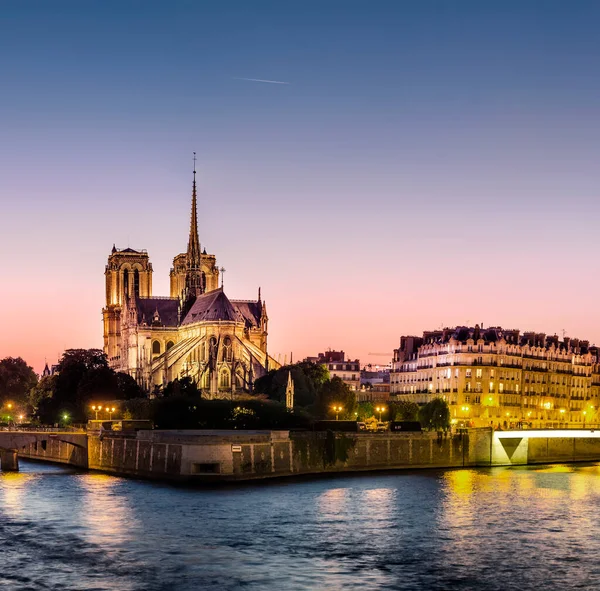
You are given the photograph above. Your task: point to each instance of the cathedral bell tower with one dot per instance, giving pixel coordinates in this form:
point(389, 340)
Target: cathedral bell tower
point(128, 274)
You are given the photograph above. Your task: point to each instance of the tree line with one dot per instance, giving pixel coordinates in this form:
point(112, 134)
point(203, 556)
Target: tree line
point(83, 378)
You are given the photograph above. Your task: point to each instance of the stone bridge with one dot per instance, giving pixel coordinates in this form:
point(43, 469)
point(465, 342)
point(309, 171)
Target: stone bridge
point(70, 446)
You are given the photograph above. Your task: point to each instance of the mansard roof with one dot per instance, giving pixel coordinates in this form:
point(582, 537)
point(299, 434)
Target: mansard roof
point(158, 311)
point(213, 306)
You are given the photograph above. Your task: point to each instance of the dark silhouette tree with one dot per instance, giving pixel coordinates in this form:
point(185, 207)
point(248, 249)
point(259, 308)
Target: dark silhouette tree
point(17, 380)
point(435, 415)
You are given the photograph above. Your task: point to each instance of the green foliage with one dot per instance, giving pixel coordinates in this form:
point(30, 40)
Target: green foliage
point(42, 390)
point(185, 387)
point(336, 393)
point(435, 415)
point(83, 378)
point(179, 412)
point(308, 380)
point(365, 410)
point(404, 411)
point(127, 387)
point(17, 379)
point(138, 408)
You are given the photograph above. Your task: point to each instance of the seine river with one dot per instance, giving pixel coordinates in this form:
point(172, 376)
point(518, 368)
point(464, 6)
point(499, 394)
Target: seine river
point(501, 528)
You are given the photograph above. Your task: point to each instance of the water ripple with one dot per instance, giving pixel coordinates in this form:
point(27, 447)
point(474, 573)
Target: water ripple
point(498, 529)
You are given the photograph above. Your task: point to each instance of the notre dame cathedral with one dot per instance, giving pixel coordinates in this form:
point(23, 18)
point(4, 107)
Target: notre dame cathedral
point(196, 332)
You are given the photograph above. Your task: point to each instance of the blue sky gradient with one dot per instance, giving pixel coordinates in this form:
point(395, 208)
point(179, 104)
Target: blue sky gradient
point(428, 162)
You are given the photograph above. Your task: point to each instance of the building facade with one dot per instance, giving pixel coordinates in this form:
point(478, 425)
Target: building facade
point(374, 385)
point(196, 332)
point(338, 366)
point(500, 377)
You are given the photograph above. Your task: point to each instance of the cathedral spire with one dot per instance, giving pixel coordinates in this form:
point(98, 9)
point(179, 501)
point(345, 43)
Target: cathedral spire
point(193, 250)
point(195, 281)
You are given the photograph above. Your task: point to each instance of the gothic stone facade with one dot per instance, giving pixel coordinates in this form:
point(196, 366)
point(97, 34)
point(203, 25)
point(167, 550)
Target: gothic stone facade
point(196, 332)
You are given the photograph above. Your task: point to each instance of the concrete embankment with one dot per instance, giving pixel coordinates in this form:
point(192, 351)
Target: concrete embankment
point(247, 455)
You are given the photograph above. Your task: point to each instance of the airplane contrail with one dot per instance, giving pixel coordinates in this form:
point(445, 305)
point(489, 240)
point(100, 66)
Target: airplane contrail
point(260, 80)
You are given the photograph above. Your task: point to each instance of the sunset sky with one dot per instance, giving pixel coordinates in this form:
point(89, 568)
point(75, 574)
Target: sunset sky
point(426, 163)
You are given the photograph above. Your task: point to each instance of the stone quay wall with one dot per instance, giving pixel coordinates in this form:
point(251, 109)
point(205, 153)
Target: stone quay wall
point(246, 455)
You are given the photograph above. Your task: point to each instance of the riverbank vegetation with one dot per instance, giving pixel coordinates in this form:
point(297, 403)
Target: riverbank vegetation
point(83, 379)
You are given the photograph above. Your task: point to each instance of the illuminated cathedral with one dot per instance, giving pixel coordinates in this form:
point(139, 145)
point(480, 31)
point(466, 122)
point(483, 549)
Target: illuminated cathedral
point(196, 332)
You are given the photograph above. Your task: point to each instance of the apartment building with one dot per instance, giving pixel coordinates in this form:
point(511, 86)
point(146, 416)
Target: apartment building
point(500, 377)
point(338, 365)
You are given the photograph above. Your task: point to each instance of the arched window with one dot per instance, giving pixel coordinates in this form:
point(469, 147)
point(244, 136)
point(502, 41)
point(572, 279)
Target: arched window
point(239, 381)
point(224, 379)
point(126, 282)
point(227, 349)
point(203, 352)
point(203, 281)
point(206, 380)
point(136, 283)
point(155, 348)
point(170, 344)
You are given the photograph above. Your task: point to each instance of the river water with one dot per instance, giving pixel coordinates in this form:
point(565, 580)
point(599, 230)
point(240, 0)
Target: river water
point(492, 529)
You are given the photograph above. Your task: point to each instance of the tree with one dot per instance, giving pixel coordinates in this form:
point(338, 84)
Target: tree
point(42, 390)
point(365, 410)
point(17, 379)
point(405, 411)
point(435, 415)
point(185, 387)
point(127, 387)
point(83, 378)
point(308, 380)
point(336, 393)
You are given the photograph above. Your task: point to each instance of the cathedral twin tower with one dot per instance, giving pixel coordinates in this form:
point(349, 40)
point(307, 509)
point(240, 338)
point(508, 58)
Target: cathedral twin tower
point(197, 332)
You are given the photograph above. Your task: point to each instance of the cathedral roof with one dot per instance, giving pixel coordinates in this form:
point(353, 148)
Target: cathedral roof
point(158, 311)
point(212, 306)
point(251, 311)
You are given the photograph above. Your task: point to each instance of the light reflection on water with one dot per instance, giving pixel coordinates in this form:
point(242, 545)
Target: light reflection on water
point(492, 529)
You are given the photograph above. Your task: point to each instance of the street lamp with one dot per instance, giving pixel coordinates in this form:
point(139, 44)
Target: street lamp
point(96, 409)
point(337, 410)
point(110, 412)
point(380, 409)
